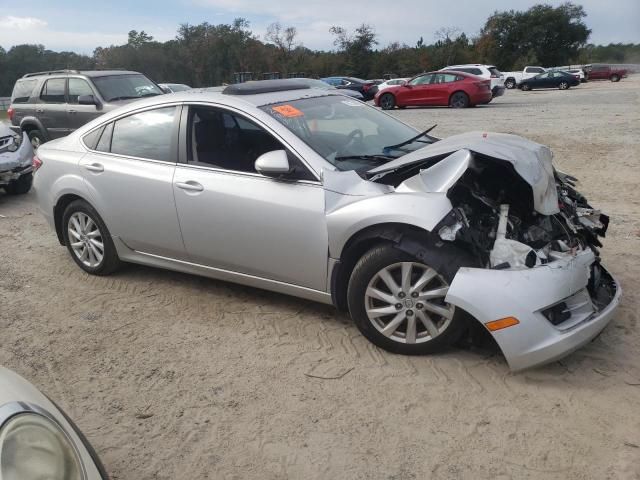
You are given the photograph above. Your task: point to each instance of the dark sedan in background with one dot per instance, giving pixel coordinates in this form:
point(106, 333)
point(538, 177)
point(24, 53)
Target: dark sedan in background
point(364, 87)
point(558, 79)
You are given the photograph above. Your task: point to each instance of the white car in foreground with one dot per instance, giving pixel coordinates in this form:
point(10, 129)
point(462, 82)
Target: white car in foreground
point(488, 72)
point(37, 440)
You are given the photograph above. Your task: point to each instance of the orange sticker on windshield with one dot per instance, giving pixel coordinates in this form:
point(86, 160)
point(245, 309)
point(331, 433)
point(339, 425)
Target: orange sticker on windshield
point(287, 111)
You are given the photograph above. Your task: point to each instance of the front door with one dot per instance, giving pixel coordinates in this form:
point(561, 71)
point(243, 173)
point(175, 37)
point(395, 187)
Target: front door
point(80, 114)
point(417, 91)
point(129, 175)
point(235, 219)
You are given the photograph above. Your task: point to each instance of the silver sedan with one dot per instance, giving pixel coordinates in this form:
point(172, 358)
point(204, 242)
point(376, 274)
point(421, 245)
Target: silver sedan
point(283, 187)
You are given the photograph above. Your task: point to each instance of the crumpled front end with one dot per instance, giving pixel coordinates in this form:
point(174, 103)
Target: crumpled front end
point(542, 292)
point(16, 156)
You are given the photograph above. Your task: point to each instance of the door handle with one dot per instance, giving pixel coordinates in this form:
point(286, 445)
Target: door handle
point(190, 186)
point(71, 111)
point(94, 167)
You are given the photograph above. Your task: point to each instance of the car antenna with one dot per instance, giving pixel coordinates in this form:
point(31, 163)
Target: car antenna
point(407, 142)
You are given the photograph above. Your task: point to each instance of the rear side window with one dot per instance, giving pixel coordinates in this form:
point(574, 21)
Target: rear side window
point(146, 135)
point(444, 78)
point(104, 144)
point(91, 138)
point(22, 91)
point(494, 71)
point(53, 91)
point(78, 87)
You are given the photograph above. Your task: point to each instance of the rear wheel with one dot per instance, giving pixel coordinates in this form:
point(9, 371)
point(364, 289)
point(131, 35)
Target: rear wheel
point(398, 301)
point(88, 239)
point(563, 86)
point(20, 186)
point(37, 138)
point(615, 78)
point(459, 100)
point(510, 83)
point(387, 101)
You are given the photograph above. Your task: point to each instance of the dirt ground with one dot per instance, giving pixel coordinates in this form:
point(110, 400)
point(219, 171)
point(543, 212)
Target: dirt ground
point(173, 376)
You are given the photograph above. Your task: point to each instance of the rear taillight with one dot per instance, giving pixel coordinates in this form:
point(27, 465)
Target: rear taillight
point(10, 113)
point(36, 163)
point(495, 76)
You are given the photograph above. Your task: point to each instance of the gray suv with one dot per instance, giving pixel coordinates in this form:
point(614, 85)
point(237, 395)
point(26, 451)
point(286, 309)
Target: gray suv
point(49, 105)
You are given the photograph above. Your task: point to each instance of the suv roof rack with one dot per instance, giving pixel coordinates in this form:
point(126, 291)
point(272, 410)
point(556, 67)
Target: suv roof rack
point(265, 86)
point(48, 72)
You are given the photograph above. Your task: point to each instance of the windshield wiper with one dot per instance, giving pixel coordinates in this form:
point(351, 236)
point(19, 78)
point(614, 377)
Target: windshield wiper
point(364, 157)
point(121, 98)
point(411, 140)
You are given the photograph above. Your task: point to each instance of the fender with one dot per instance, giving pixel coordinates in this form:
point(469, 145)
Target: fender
point(34, 121)
point(421, 210)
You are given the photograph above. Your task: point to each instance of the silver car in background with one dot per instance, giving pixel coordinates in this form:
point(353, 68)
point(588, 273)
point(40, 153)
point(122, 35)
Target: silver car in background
point(279, 186)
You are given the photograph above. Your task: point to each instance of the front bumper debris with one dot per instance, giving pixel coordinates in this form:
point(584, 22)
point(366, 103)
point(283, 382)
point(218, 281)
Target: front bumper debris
point(561, 306)
point(15, 164)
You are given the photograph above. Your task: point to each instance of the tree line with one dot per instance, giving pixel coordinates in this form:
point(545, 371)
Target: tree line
point(207, 54)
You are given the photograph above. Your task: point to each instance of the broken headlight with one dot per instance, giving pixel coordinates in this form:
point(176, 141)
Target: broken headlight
point(15, 144)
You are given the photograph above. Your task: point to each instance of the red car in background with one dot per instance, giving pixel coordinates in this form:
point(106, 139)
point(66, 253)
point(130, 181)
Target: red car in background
point(446, 88)
point(604, 72)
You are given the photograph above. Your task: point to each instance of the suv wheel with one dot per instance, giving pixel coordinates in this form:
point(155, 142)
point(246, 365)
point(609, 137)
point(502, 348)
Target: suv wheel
point(510, 83)
point(398, 301)
point(88, 239)
point(615, 78)
point(20, 186)
point(36, 138)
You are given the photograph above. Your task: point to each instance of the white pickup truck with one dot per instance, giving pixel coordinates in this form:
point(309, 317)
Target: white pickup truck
point(513, 79)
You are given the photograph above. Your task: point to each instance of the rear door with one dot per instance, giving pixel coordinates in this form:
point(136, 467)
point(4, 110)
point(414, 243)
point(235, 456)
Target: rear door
point(80, 114)
point(51, 108)
point(440, 89)
point(129, 173)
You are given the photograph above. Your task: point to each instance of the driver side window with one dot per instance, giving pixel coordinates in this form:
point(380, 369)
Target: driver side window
point(423, 80)
point(222, 139)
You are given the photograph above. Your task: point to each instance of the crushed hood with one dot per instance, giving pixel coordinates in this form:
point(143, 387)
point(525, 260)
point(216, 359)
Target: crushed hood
point(531, 161)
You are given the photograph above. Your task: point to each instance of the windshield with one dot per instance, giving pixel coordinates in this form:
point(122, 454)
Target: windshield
point(123, 87)
point(347, 133)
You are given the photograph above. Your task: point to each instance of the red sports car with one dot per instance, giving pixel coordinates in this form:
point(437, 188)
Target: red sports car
point(451, 88)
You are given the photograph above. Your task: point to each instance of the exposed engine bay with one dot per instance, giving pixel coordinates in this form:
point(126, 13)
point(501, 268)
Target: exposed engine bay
point(495, 219)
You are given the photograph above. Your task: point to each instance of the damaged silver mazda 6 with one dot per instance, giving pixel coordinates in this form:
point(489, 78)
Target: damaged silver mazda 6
point(310, 193)
point(16, 156)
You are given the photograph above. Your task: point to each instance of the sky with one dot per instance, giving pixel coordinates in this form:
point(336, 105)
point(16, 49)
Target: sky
point(81, 26)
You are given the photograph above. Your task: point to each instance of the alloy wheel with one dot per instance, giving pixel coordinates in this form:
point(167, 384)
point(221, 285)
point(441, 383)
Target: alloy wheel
point(405, 302)
point(86, 240)
point(564, 86)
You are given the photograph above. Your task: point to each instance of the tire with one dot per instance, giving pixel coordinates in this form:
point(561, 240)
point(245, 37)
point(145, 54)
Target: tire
point(72, 219)
point(387, 101)
point(459, 100)
point(510, 83)
point(20, 186)
point(366, 276)
point(615, 78)
point(525, 87)
point(563, 86)
point(37, 138)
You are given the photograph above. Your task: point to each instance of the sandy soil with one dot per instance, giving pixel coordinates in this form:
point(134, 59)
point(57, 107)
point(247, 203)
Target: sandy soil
point(174, 376)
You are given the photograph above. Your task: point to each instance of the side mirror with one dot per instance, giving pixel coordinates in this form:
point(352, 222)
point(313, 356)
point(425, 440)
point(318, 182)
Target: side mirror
point(407, 85)
point(273, 164)
point(87, 100)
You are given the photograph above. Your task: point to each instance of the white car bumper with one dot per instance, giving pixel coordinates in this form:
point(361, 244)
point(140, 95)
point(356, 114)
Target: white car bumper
point(525, 294)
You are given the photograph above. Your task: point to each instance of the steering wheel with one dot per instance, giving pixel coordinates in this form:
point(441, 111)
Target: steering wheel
point(351, 138)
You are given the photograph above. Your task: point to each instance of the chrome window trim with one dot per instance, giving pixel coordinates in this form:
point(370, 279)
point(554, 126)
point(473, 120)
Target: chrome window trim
point(13, 409)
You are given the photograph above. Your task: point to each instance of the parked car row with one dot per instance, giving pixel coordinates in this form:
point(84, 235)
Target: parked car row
point(586, 73)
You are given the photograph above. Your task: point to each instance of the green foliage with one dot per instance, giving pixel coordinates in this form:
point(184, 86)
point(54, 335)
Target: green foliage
point(206, 54)
point(542, 35)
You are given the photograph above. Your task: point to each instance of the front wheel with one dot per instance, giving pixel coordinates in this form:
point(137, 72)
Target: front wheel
point(20, 186)
point(88, 239)
point(525, 87)
point(563, 86)
point(510, 83)
point(459, 100)
point(398, 301)
point(387, 101)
